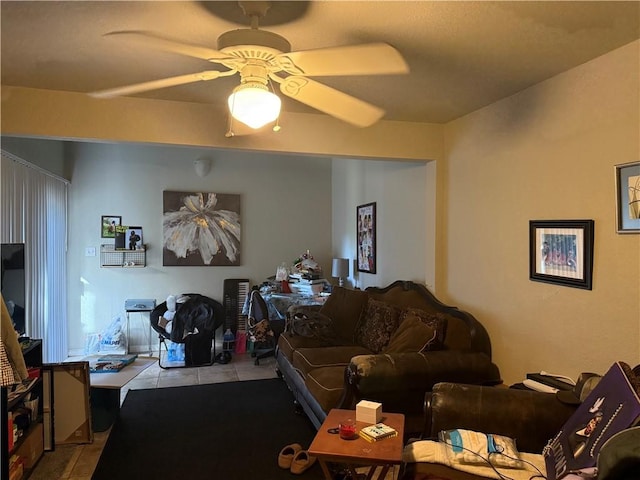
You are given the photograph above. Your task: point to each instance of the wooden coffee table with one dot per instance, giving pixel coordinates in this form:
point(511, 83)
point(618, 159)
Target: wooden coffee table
point(329, 447)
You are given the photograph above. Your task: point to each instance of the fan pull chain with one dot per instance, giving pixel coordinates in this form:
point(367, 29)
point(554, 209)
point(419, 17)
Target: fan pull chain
point(276, 127)
point(230, 133)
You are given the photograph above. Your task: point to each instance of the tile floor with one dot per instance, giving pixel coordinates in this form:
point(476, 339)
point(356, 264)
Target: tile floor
point(84, 458)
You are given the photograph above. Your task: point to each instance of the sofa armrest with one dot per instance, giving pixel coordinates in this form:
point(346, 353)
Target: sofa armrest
point(400, 380)
point(531, 418)
point(383, 372)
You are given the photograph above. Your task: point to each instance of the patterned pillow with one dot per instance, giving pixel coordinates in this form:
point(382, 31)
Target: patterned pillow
point(437, 321)
point(378, 322)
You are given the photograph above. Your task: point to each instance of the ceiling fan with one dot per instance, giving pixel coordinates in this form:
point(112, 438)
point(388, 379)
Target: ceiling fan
point(263, 58)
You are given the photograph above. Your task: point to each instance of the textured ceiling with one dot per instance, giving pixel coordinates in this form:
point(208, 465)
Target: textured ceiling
point(462, 55)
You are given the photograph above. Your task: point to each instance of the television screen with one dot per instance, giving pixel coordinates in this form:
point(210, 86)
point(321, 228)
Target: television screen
point(13, 283)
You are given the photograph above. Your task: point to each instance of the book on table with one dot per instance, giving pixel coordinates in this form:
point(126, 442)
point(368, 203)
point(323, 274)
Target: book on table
point(126, 358)
point(378, 431)
point(111, 363)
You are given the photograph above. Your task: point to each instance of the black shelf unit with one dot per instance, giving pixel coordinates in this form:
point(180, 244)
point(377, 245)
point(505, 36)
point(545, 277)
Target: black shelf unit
point(32, 353)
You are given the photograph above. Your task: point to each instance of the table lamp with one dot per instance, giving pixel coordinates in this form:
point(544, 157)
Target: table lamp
point(340, 269)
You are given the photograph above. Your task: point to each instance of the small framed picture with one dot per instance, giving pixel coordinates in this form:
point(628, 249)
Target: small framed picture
point(561, 252)
point(366, 237)
point(134, 238)
point(108, 224)
point(628, 198)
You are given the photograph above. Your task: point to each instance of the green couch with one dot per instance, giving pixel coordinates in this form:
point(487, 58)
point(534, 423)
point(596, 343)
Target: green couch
point(389, 345)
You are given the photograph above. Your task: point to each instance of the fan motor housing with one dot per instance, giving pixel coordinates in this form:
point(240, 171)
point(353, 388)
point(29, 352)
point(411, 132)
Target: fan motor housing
point(253, 43)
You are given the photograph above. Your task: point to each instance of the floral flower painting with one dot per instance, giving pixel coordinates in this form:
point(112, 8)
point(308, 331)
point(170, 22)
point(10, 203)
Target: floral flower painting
point(200, 229)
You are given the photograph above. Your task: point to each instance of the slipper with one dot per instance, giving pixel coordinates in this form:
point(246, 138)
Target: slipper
point(286, 455)
point(301, 461)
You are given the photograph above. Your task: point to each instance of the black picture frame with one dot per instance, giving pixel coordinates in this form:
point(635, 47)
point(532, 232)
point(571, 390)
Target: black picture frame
point(561, 252)
point(366, 237)
point(628, 197)
point(108, 224)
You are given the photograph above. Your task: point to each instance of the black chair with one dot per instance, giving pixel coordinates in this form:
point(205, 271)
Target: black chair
point(198, 312)
point(263, 332)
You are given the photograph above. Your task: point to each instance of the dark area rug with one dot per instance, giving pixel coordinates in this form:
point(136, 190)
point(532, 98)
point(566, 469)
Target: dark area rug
point(227, 430)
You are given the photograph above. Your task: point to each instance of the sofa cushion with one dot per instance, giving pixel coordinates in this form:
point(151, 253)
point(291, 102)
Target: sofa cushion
point(326, 384)
point(344, 307)
point(437, 321)
point(288, 343)
point(307, 359)
point(413, 335)
point(458, 335)
point(377, 324)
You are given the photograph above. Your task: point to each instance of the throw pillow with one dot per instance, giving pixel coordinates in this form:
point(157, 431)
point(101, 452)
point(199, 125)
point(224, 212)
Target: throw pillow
point(313, 325)
point(379, 321)
point(411, 336)
point(438, 321)
point(344, 307)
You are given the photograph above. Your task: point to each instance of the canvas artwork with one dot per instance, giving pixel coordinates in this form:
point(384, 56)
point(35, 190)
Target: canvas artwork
point(200, 229)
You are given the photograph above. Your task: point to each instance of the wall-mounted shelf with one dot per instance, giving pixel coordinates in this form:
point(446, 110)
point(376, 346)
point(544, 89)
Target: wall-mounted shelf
point(112, 258)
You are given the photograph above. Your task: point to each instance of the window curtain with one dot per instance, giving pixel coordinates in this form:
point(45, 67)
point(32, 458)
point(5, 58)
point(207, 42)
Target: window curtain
point(34, 212)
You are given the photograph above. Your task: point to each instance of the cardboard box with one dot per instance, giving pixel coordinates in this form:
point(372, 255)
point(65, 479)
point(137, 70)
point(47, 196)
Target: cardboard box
point(32, 446)
point(368, 412)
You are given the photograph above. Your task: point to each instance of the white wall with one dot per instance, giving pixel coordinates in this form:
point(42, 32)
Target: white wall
point(401, 192)
point(546, 153)
point(285, 209)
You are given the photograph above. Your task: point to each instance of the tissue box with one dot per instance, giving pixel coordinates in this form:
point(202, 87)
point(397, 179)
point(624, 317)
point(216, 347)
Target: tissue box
point(368, 412)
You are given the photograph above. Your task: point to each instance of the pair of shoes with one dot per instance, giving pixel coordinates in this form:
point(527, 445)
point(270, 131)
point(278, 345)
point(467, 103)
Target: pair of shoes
point(285, 458)
point(296, 459)
point(301, 462)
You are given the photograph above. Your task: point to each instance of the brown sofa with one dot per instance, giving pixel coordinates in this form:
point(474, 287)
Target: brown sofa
point(389, 345)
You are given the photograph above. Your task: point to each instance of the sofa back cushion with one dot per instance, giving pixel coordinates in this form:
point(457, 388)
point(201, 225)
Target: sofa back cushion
point(377, 324)
point(344, 307)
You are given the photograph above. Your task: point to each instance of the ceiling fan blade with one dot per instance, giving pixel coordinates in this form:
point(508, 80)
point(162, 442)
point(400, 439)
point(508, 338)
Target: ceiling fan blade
point(167, 44)
point(157, 84)
point(366, 59)
point(331, 101)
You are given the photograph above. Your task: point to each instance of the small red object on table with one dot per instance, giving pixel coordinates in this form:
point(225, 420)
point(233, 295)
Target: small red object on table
point(329, 447)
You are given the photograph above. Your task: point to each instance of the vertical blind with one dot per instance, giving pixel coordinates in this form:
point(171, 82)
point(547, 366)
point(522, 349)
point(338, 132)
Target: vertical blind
point(33, 211)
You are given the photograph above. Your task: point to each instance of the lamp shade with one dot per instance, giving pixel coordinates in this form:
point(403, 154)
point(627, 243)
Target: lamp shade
point(254, 105)
point(340, 268)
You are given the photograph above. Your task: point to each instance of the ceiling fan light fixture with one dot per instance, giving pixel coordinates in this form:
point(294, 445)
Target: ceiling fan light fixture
point(254, 105)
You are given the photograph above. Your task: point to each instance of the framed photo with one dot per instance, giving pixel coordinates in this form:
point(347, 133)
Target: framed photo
point(628, 197)
point(108, 224)
point(366, 237)
point(134, 238)
point(561, 252)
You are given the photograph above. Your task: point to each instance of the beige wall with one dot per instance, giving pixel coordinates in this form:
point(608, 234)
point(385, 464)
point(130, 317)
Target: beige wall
point(546, 153)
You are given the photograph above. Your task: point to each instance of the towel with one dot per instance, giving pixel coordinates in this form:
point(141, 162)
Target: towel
point(436, 452)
